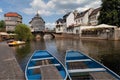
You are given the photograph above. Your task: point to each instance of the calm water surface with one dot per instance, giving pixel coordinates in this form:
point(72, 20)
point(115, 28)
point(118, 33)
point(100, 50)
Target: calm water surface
point(106, 52)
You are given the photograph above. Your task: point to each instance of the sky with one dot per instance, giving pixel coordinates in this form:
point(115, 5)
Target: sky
point(49, 10)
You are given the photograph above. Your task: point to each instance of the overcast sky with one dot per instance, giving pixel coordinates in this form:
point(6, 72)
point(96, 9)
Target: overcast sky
point(49, 10)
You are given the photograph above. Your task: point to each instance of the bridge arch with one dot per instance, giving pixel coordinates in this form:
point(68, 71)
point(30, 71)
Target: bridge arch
point(41, 33)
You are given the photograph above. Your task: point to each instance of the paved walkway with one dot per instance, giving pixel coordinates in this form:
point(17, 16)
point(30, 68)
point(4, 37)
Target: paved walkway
point(9, 68)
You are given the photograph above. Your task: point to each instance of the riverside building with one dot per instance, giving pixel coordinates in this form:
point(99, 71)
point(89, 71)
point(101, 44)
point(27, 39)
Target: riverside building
point(11, 20)
point(37, 23)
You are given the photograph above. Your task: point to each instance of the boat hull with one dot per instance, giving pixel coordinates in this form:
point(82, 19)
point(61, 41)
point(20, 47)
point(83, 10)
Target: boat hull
point(81, 66)
point(15, 43)
point(42, 65)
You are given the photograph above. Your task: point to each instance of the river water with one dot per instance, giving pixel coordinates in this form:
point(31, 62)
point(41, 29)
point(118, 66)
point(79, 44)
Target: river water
point(104, 51)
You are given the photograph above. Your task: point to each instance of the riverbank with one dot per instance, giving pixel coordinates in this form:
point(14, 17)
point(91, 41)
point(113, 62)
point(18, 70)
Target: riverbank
point(113, 35)
point(9, 67)
point(77, 36)
point(64, 35)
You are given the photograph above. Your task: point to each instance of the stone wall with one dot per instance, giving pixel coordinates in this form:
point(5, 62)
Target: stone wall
point(0, 39)
point(65, 35)
point(112, 35)
point(117, 34)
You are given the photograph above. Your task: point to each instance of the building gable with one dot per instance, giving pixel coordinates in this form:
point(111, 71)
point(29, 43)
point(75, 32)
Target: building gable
point(95, 11)
point(37, 23)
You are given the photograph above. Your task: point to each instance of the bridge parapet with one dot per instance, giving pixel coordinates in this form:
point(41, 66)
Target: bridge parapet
point(42, 33)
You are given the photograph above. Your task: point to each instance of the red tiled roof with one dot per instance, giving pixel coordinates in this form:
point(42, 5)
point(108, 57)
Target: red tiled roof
point(12, 14)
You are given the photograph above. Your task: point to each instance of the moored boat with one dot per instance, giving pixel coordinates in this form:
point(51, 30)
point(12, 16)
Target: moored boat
point(83, 67)
point(43, 66)
point(14, 43)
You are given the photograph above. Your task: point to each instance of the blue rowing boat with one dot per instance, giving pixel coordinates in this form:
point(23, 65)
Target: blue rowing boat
point(83, 67)
point(43, 66)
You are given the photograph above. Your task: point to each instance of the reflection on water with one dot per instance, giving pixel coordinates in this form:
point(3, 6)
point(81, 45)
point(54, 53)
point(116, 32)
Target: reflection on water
point(22, 51)
point(107, 52)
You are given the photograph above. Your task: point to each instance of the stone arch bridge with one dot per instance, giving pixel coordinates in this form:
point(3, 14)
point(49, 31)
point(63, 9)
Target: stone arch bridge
point(42, 33)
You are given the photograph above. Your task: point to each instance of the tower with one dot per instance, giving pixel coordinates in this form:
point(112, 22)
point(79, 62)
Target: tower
point(37, 23)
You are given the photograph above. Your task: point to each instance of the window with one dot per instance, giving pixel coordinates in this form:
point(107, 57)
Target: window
point(77, 31)
point(76, 21)
point(58, 29)
point(7, 18)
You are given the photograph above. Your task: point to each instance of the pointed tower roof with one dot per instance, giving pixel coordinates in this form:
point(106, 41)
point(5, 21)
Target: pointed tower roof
point(37, 16)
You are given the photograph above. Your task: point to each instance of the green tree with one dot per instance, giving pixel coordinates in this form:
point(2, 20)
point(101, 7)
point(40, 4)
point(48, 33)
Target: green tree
point(2, 25)
point(23, 32)
point(110, 12)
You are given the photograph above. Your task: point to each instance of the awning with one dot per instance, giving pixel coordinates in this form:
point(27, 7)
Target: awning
point(105, 26)
point(6, 34)
point(98, 26)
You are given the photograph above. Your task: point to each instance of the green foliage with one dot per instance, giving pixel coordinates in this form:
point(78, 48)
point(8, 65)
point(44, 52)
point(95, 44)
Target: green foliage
point(23, 32)
point(2, 25)
point(110, 12)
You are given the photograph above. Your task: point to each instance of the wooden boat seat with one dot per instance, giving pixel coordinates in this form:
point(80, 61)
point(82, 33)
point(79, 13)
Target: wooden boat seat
point(50, 73)
point(34, 67)
point(77, 65)
point(102, 76)
point(86, 70)
point(81, 60)
point(38, 59)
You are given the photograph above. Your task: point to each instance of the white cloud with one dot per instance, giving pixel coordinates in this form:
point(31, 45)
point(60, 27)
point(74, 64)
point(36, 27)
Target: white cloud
point(29, 11)
point(50, 25)
point(60, 6)
point(45, 12)
point(94, 4)
point(1, 10)
point(1, 16)
point(40, 4)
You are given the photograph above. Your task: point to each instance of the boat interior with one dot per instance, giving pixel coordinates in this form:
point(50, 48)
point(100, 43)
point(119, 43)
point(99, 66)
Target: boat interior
point(43, 63)
point(80, 67)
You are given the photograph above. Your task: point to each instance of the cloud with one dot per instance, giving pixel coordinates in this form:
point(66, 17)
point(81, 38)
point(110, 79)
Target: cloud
point(29, 11)
point(94, 4)
point(50, 25)
point(38, 4)
point(52, 7)
point(1, 10)
point(1, 16)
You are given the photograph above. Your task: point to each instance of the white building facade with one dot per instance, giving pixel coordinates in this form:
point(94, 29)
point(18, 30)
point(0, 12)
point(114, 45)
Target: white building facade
point(83, 18)
point(11, 20)
point(73, 22)
point(63, 24)
point(93, 18)
point(60, 26)
point(37, 23)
